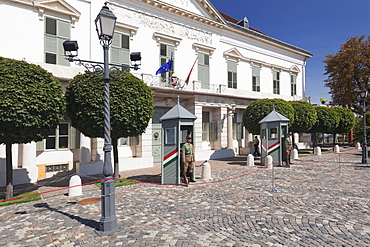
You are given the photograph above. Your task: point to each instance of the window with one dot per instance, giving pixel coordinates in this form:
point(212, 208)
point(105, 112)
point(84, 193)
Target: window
point(56, 32)
point(273, 133)
point(203, 69)
point(256, 79)
point(170, 135)
point(231, 74)
point(276, 81)
point(166, 53)
point(130, 141)
point(293, 84)
point(65, 137)
point(237, 128)
point(120, 49)
point(209, 129)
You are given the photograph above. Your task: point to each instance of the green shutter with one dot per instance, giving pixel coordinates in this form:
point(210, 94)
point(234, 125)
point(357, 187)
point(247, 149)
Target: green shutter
point(203, 70)
point(74, 138)
point(213, 131)
point(40, 146)
point(239, 131)
point(120, 53)
point(205, 131)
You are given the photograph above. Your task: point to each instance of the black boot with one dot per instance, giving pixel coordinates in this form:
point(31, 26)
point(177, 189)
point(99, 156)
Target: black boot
point(191, 177)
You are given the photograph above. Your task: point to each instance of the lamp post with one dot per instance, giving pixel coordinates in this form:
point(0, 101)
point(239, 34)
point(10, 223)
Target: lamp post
point(105, 24)
point(363, 95)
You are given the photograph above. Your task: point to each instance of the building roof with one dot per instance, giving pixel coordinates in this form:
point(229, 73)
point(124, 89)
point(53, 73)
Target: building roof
point(233, 22)
point(274, 116)
point(178, 112)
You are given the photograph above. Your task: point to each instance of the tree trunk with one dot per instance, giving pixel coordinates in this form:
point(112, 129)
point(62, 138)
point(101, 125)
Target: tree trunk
point(9, 172)
point(334, 138)
point(314, 141)
point(115, 158)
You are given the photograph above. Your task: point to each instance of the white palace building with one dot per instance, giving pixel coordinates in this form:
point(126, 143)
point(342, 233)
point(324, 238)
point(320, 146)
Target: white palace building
point(235, 64)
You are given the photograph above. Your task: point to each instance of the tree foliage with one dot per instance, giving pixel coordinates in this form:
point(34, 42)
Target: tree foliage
point(31, 102)
point(327, 120)
point(305, 116)
point(348, 70)
point(31, 106)
point(346, 120)
point(259, 109)
point(131, 105)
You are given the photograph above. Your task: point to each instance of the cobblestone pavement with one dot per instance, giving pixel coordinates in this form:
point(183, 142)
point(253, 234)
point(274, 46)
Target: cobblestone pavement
point(310, 204)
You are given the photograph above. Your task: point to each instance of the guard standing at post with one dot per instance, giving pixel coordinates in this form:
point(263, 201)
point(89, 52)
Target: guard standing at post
point(188, 160)
point(288, 148)
point(256, 144)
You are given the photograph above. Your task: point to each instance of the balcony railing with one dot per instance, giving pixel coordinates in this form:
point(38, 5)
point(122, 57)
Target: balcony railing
point(158, 81)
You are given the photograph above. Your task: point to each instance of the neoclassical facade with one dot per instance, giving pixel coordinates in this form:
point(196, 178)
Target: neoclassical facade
point(234, 64)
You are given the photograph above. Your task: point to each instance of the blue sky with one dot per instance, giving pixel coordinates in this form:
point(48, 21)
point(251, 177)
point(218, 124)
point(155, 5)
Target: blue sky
point(318, 26)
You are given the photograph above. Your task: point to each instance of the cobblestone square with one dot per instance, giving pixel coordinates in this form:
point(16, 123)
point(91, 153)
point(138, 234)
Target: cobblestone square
point(320, 201)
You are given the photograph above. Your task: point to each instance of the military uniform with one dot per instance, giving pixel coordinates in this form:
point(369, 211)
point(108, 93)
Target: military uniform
point(288, 149)
point(188, 160)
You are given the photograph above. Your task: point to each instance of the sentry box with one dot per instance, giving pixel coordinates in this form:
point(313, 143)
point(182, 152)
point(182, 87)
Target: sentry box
point(177, 123)
point(273, 130)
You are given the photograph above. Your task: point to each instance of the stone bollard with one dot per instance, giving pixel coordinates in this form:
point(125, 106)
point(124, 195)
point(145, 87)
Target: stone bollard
point(358, 146)
point(250, 160)
point(336, 149)
point(206, 170)
point(75, 181)
point(295, 154)
point(318, 151)
point(268, 161)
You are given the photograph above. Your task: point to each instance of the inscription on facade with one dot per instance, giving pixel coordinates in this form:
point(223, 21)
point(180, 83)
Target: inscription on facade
point(161, 25)
point(182, 2)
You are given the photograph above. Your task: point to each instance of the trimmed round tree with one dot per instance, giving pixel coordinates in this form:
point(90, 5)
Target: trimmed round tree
point(305, 117)
point(131, 107)
point(327, 122)
point(259, 109)
point(31, 106)
point(346, 122)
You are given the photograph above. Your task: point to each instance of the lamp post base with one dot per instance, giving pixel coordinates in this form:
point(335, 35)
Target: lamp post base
point(108, 221)
point(365, 154)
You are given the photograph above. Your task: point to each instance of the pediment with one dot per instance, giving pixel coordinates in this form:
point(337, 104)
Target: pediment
point(198, 10)
point(58, 6)
point(234, 53)
point(294, 69)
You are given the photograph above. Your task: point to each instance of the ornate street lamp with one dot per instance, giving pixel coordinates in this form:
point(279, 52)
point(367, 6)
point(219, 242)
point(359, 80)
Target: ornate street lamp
point(105, 24)
point(363, 95)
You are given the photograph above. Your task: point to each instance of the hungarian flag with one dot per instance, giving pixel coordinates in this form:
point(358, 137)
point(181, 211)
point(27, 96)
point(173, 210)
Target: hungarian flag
point(187, 79)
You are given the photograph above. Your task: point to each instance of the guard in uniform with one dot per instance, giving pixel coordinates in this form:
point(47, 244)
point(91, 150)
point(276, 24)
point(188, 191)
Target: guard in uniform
point(288, 148)
point(188, 160)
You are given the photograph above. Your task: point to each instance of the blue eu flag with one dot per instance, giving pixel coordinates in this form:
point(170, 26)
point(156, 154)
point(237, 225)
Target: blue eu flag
point(165, 68)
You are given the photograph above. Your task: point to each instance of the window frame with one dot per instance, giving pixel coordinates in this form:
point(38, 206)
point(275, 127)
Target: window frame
point(293, 84)
point(256, 78)
point(53, 48)
point(118, 48)
point(232, 74)
point(276, 82)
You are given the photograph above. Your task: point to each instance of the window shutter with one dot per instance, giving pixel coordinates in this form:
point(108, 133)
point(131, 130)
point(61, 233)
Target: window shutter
point(203, 70)
point(120, 53)
point(213, 131)
point(239, 131)
point(205, 131)
point(74, 138)
point(134, 140)
point(40, 146)
point(63, 33)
